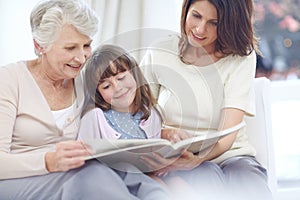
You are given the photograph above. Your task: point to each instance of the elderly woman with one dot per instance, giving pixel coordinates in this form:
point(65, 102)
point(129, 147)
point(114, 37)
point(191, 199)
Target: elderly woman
point(40, 106)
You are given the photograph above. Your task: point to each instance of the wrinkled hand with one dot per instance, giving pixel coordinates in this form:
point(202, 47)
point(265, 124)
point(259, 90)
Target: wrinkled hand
point(174, 135)
point(68, 155)
point(162, 166)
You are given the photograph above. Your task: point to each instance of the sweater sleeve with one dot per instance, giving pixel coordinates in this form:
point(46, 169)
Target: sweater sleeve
point(14, 165)
point(94, 126)
point(22, 165)
point(239, 91)
point(89, 126)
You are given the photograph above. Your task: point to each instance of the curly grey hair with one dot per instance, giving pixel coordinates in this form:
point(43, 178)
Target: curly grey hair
point(48, 17)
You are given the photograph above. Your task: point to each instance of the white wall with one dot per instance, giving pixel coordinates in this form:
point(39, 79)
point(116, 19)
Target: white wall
point(164, 14)
point(16, 42)
point(15, 35)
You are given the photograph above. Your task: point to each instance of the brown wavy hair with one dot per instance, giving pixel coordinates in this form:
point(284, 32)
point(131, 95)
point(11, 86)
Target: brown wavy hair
point(109, 60)
point(235, 31)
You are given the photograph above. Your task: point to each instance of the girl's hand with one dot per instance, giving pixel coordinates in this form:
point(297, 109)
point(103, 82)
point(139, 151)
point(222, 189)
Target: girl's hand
point(162, 166)
point(68, 155)
point(174, 135)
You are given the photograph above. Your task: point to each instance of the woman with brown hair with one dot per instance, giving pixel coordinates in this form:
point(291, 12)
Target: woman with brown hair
point(202, 80)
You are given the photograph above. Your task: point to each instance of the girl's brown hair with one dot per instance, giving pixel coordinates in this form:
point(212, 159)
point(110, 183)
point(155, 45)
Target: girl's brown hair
point(235, 29)
point(107, 61)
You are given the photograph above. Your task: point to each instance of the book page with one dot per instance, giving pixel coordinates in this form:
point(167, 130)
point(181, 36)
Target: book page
point(104, 147)
point(199, 143)
point(132, 154)
point(112, 152)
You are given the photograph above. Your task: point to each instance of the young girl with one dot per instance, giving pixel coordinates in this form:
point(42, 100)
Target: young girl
point(119, 105)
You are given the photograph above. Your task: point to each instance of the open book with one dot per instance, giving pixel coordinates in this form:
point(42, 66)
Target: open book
point(112, 152)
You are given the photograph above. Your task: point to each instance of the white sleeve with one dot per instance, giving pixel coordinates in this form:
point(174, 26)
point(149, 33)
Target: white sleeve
point(238, 88)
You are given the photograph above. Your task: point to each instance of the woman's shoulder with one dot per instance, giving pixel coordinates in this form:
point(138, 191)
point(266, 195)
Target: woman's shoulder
point(12, 76)
point(13, 72)
point(251, 56)
point(237, 66)
point(234, 60)
point(13, 67)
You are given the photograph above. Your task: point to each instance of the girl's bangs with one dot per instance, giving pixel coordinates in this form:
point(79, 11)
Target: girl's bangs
point(112, 69)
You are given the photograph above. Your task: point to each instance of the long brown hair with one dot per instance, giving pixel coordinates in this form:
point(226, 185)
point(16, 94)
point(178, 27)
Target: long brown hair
point(235, 29)
point(109, 60)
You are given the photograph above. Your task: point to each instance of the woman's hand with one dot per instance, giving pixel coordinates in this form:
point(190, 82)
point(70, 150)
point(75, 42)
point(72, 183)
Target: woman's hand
point(68, 155)
point(162, 166)
point(174, 135)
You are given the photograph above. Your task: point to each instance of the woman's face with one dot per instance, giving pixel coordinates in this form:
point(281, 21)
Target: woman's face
point(201, 25)
point(119, 91)
point(66, 56)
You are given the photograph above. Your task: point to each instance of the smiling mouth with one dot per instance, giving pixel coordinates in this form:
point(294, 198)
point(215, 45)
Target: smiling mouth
point(122, 95)
point(74, 66)
point(198, 37)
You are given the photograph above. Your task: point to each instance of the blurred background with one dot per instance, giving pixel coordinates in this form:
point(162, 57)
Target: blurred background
point(277, 23)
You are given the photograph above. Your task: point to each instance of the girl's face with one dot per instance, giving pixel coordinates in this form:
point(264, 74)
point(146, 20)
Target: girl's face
point(67, 54)
point(119, 91)
point(201, 25)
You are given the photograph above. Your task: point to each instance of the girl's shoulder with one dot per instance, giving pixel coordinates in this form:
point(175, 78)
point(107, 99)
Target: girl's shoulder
point(93, 112)
point(154, 115)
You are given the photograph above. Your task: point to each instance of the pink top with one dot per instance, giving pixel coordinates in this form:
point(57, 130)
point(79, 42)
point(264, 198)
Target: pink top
point(94, 126)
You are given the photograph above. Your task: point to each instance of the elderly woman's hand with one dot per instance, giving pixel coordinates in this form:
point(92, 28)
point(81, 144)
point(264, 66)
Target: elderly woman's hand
point(68, 155)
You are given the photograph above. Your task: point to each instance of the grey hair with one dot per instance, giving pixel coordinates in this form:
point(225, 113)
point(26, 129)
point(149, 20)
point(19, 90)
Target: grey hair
point(49, 16)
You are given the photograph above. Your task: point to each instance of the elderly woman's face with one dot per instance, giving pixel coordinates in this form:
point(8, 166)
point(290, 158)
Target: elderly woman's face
point(68, 53)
